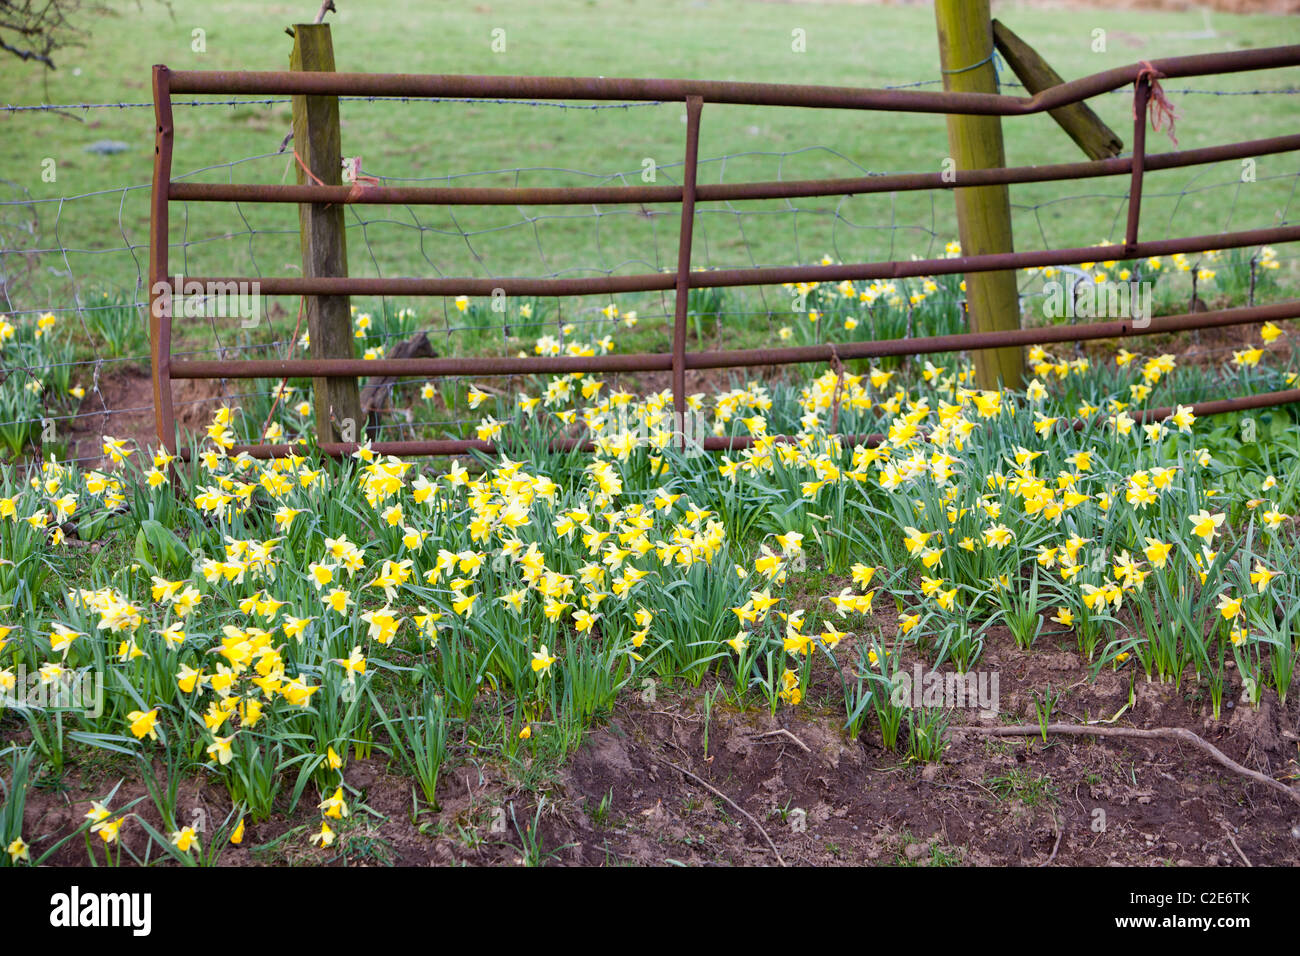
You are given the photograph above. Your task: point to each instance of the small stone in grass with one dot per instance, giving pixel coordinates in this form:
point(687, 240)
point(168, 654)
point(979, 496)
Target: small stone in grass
point(107, 147)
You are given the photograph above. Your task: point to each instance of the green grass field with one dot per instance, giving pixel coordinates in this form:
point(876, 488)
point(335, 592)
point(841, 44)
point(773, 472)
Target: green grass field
point(501, 144)
point(215, 657)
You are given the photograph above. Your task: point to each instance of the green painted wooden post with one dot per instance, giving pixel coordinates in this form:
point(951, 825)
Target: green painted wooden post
point(983, 212)
point(318, 142)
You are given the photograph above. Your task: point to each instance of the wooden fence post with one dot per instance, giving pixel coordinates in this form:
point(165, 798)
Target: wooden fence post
point(983, 212)
point(317, 142)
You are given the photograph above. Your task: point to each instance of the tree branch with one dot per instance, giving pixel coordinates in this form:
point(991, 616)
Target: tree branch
point(27, 54)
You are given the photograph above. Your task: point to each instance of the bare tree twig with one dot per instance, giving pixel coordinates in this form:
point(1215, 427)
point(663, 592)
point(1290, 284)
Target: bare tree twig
point(27, 54)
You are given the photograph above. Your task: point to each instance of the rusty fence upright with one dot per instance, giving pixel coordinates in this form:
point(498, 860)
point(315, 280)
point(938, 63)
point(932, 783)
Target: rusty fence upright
point(694, 94)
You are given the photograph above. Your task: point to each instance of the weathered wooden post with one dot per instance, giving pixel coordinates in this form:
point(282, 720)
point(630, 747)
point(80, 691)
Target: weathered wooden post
point(983, 212)
point(317, 142)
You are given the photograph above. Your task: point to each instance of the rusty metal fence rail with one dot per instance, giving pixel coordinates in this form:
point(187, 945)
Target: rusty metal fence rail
point(694, 94)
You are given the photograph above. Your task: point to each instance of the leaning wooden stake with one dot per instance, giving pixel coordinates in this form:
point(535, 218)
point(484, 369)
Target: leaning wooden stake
point(983, 212)
point(1084, 126)
point(318, 146)
point(378, 391)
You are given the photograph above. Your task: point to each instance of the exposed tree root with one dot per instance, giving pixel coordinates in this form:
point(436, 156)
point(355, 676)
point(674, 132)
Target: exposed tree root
point(1155, 733)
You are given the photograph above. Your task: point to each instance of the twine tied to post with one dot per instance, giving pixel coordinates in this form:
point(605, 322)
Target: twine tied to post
point(1161, 110)
point(316, 179)
point(358, 187)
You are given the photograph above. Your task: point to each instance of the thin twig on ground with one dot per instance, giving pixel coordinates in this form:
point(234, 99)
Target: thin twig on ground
point(1245, 859)
point(732, 803)
point(783, 732)
point(1060, 832)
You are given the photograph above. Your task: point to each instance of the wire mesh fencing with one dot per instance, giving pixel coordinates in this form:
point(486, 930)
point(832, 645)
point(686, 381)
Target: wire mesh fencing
point(82, 258)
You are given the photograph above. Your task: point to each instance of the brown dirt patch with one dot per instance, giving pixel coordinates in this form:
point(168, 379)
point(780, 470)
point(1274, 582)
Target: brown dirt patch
point(122, 407)
point(1006, 801)
point(1002, 801)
